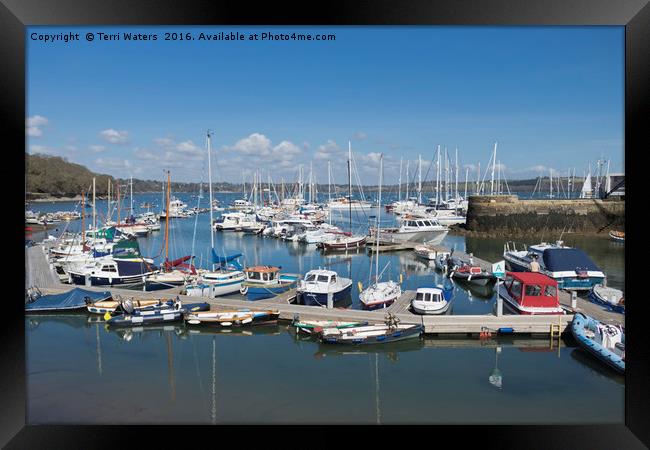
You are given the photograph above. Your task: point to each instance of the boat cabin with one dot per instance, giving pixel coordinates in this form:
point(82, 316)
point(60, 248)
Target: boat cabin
point(321, 276)
point(417, 223)
point(262, 274)
point(532, 289)
point(429, 294)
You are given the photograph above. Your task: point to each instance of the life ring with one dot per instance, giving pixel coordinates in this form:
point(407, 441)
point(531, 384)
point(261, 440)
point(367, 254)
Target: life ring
point(243, 290)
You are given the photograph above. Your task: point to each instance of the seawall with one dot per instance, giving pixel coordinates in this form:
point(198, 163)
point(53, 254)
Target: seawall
point(507, 214)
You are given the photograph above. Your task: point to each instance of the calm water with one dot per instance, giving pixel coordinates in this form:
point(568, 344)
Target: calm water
point(81, 372)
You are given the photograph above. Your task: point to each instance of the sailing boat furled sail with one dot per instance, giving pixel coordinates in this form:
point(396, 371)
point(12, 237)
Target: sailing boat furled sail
point(345, 241)
point(379, 294)
point(226, 276)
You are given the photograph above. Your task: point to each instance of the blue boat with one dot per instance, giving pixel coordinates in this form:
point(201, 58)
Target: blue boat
point(320, 283)
point(75, 299)
point(266, 282)
point(170, 311)
point(610, 298)
point(570, 267)
point(605, 342)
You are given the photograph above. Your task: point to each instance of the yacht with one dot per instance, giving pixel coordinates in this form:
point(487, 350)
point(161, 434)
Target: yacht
point(413, 229)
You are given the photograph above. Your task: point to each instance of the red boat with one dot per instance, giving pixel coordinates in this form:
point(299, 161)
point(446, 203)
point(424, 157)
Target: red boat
point(530, 293)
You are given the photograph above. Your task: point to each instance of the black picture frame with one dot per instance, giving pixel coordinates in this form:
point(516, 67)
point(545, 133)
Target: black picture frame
point(15, 15)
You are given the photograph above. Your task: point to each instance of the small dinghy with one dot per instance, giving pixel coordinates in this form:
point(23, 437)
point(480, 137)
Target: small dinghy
point(432, 300)
point(126, 315)
point(610, 298)
point(468, 272)
point(316, 326)
point(109, 306)
point(371, 334)
point(617, 236)
point(605, 342)
point(228, 318)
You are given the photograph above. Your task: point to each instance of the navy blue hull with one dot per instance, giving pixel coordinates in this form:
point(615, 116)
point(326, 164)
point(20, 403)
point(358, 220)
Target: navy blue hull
point(97, 281)
point(319, 299)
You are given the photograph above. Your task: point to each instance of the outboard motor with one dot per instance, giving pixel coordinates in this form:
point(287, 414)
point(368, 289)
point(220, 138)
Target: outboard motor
point(128, 306)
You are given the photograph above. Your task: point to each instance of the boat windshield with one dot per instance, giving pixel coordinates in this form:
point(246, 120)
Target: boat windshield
point(310, 277)
point(323, 278)
point(515, 288)
point(535, 290)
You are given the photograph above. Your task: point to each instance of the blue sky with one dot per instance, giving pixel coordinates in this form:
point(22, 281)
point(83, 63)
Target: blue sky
point(552, 97)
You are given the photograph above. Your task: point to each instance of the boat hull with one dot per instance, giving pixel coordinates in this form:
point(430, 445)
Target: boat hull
point(426, 312)
point(320, 299)
point(603, 354)
point(399, 334)
point(254, 293)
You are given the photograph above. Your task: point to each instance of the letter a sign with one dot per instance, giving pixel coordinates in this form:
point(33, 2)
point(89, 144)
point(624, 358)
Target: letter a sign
point(498, 269)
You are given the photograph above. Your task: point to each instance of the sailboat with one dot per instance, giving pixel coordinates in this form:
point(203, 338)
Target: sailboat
point(170, 277)
point(345, 241)
point(227, 276)
point(379, 294)
point(343, 203)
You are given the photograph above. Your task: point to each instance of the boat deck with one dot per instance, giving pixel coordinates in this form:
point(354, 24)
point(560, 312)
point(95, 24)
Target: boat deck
point(39, 273)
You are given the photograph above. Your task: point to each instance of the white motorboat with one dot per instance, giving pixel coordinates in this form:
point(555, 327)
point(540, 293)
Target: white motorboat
point(432, 300)
point(430, 252)
point(321, 283)
point(413, 229)
point(234, 221)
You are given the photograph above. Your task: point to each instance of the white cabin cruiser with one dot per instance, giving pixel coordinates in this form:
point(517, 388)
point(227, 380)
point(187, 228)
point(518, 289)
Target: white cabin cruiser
point(432, 300)
point(414, 229)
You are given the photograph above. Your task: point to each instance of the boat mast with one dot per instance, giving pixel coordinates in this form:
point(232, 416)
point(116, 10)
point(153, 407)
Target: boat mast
point(438, 196)
point(550, 171)
point(456, 172)
point(131, 210)
point(399, 189)
point(350, 183)
point(407, 179)
point(381, 169)
point(169, 183)
point(494, 161)
point(210, 185)
point(83, 217)
point(94, 213)
point(478, 178)
point(466, 177)
point(446, 175)
point(419, 179)
point(108, 205)
point(118, 203)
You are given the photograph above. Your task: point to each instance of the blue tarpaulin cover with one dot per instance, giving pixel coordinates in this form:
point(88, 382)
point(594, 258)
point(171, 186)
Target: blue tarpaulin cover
point(567, 259)
point(74, 299)
point(232, 259)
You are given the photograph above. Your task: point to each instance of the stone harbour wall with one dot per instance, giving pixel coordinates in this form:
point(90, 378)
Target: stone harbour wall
point(507, 213)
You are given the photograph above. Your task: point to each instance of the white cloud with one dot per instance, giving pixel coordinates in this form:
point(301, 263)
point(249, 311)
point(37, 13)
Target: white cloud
point(328, 150)
point(115, 136)
point(255, 144)
point(188, 149)
point(97, 148)
point(34, 125)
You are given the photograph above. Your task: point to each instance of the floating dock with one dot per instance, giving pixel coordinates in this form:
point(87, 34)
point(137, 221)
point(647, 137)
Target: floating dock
point(39, 273)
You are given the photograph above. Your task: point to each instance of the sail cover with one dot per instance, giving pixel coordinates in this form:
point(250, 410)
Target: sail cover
point(74, 299)
point(567, 260)
point(127, 248)
point(232, 259)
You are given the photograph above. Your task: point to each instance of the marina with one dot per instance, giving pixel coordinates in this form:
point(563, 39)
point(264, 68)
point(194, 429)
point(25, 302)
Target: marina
point(320, 242)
